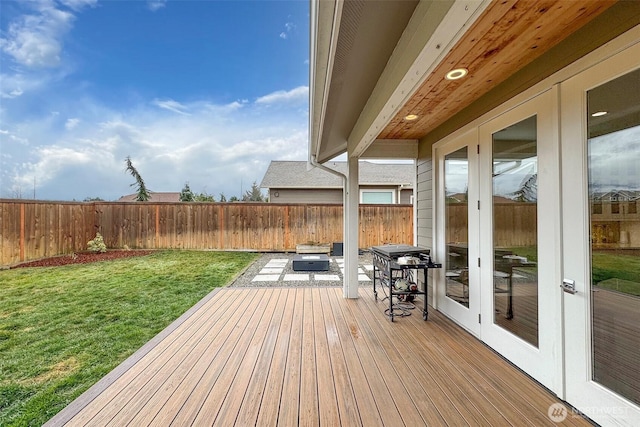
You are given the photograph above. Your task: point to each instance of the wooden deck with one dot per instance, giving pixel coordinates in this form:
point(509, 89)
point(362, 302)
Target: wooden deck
point(306, 356)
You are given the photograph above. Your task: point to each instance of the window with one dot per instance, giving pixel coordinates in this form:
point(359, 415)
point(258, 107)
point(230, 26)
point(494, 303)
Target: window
point(377, 196)
point(596, 207)
point(615, 207)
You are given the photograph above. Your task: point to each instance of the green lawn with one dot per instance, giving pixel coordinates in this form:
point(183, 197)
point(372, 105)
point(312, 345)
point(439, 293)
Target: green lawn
point(64, 328)
point(617, 271)
point(611, 270)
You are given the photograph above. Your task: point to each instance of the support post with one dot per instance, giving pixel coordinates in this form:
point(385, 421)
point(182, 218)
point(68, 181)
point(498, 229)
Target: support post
point(351, 235)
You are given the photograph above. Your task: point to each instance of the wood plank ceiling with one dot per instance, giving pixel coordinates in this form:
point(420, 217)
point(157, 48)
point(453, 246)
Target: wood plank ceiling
point(505, 38)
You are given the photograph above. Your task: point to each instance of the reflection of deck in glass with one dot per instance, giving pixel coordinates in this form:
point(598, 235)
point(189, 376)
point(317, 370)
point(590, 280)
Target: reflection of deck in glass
point(616, 340)
point(523, 321)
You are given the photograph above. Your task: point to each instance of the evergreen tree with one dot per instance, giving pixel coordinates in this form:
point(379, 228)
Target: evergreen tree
point(143, 193)
point(204, 197)
point(186, 195)
point(223, 198)
point(254, 194)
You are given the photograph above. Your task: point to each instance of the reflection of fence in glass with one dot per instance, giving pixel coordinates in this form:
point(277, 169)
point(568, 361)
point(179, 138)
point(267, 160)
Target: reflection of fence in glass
point(514, 223)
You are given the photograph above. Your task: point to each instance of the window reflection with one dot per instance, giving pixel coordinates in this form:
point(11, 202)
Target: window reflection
point(456, 178)
point(614, 192)
point(515, 229)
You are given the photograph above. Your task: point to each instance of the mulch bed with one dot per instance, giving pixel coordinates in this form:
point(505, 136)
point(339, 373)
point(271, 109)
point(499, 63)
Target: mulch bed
point(83, 258)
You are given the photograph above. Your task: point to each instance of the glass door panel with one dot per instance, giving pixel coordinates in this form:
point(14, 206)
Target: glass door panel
point(613, 153)
point(600, 133)
point(515, 229)
point(519, 254)
point(456, 218)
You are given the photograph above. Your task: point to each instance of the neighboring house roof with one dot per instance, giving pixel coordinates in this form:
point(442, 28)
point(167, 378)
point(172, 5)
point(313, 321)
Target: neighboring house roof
point(154, 197)
point(617, 195)
point(295, 174)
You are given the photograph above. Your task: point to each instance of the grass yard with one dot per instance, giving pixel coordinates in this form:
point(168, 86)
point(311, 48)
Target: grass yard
point(63, 328)
point(618, 271)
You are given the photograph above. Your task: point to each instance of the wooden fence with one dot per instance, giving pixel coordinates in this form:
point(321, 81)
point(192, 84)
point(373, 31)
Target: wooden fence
point(515, 224)
point(33, 230)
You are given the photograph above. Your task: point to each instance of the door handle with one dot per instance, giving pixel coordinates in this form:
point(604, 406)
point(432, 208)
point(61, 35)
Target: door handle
point(569, 286)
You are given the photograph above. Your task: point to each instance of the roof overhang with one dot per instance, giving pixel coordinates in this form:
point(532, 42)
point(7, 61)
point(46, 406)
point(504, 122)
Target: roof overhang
point(375, 62)
point(351, 42)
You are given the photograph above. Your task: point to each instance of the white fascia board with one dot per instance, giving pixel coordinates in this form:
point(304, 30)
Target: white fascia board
point(322, 51)
point(396, 90)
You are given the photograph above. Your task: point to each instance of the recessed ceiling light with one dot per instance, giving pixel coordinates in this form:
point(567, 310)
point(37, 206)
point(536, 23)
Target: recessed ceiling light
point(599, 113)
point(410, 117)
point(456, 74)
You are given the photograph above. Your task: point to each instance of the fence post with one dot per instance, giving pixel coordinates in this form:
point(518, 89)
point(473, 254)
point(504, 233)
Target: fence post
point(287, 231)
point(21, 232)
point(221, 208)
point(157, 243)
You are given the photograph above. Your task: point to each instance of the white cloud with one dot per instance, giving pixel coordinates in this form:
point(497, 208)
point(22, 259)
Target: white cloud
point(15, 85)
point(35, 40)
point(155, 5)
point(171, 105)
point(71, 123)
point(13, 93)
point(289, 27)
point(78, 5)
point(217, 148)
point(301, 93)
point(8, 137)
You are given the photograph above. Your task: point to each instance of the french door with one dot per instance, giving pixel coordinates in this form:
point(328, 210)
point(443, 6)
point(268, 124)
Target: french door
point(458, 293)
point(519, 216)
point(601, 235)
point(500, 188)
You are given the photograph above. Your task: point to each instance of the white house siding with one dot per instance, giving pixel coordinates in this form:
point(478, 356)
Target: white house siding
point(292, 195)
point(424, 216)
point(405, 196)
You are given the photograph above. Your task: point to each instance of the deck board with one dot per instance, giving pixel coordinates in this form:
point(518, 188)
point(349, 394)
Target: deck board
point(327, 400)
point(289, 404)
point(270, 404)
point(347, 405)
point(307, 356)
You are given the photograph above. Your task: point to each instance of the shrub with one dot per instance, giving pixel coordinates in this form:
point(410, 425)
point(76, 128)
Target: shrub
point(97, 245)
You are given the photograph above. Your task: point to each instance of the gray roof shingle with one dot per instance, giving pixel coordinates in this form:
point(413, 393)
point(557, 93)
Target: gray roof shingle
point(153, 197)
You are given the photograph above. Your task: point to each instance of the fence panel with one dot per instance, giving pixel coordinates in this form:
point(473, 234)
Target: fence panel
point(33, 230)
point(515, 224)
point(10, 219)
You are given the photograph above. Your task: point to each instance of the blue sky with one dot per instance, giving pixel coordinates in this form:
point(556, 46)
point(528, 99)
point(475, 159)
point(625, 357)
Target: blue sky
point(205, 92)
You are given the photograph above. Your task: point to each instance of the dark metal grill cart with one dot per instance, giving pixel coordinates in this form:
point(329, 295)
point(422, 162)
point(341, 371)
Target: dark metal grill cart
point(396, 268)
